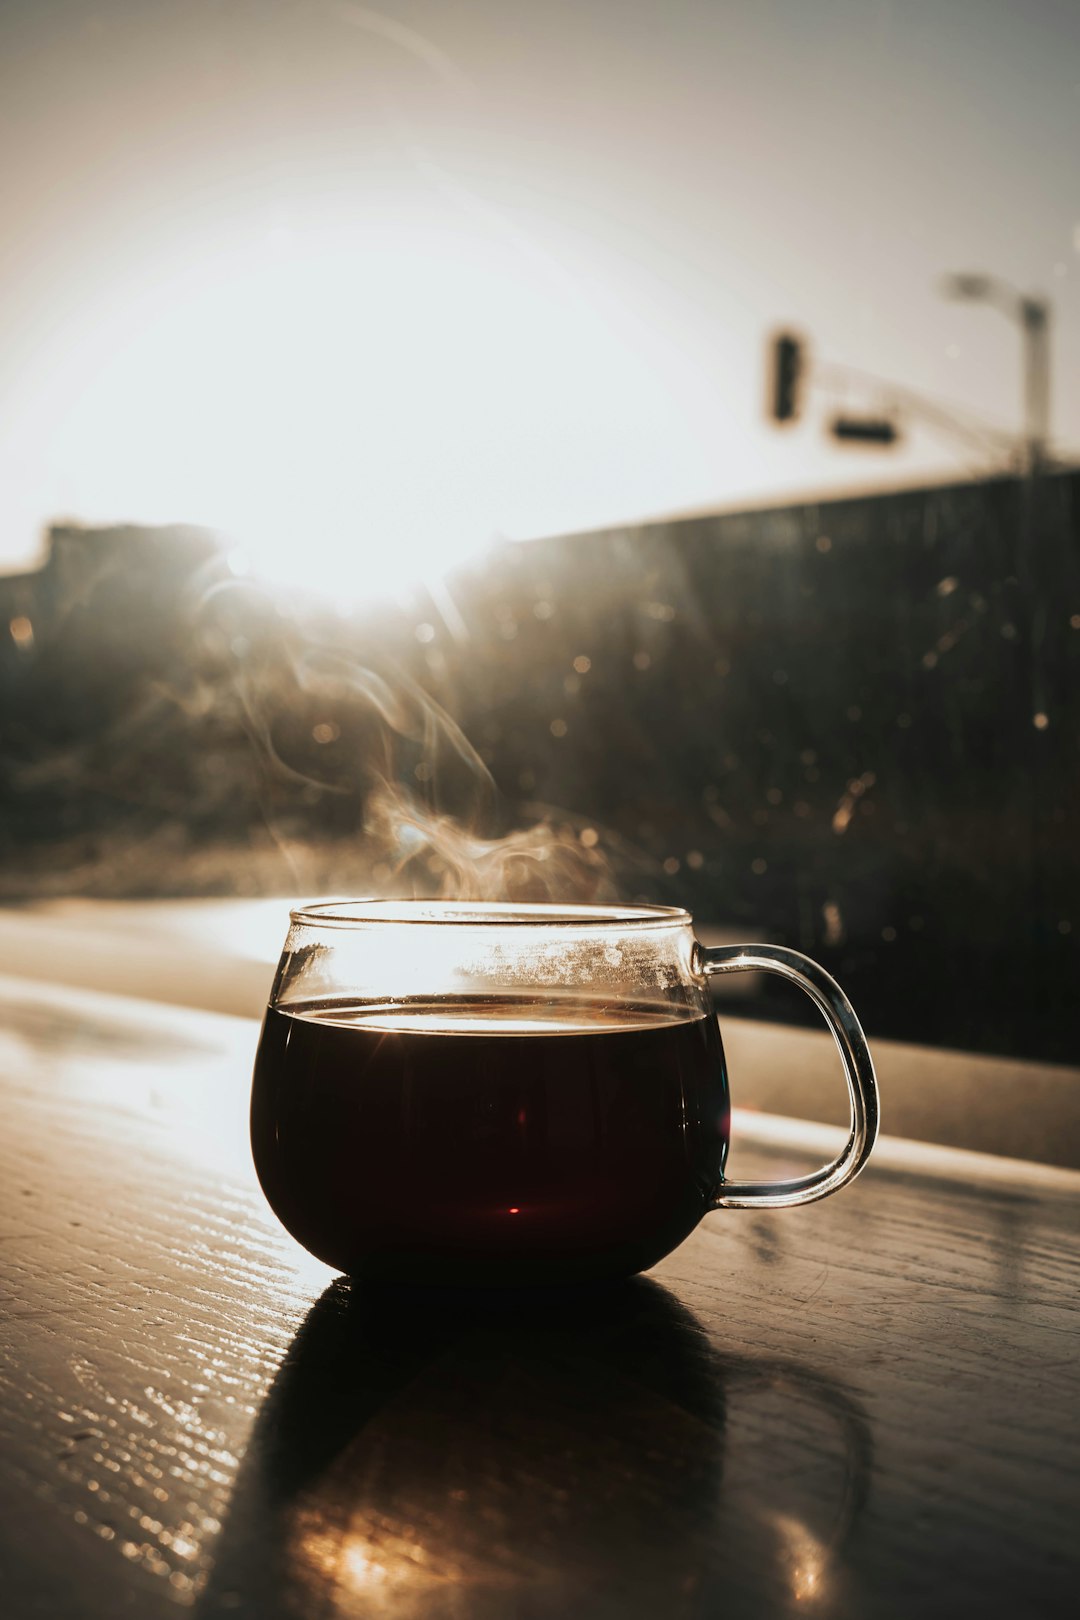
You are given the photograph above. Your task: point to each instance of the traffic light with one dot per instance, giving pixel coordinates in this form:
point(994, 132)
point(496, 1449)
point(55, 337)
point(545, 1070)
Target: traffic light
point(787, 365)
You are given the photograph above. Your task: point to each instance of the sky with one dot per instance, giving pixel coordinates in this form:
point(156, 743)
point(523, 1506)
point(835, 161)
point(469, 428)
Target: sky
point(367, 285)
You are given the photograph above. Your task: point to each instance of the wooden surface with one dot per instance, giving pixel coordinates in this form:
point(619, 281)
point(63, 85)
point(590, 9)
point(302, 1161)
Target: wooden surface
point(866, 1408)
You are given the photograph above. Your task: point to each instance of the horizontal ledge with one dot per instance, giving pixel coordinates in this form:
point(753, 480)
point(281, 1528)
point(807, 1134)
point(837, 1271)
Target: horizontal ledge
point(901, 1155)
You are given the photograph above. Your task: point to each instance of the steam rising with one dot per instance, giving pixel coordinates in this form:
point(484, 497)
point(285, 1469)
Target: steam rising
point(545, 861)
point(432, 820)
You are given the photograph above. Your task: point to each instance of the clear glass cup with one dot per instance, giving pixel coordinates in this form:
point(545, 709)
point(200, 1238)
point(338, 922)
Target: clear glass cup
point(466, 1091)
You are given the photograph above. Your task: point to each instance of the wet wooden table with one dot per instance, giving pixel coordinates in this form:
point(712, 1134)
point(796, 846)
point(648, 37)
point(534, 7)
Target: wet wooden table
point(869, 1407)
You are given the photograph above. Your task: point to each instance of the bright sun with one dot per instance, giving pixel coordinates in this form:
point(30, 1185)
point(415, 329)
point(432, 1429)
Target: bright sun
point(357, 406)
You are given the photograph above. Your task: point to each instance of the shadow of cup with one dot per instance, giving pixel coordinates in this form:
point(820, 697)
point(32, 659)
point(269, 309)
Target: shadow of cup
point(583, 1453)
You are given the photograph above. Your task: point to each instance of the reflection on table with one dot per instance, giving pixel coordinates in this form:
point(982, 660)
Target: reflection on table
point(867, 1408)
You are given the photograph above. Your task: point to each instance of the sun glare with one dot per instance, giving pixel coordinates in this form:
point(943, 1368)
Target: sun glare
point(358, 408)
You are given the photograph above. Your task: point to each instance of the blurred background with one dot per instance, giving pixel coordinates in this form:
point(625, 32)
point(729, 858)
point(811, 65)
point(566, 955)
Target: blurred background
point(609, 448)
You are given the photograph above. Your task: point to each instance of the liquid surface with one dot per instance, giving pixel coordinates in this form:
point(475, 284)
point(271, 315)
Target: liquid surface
point(494, 1140)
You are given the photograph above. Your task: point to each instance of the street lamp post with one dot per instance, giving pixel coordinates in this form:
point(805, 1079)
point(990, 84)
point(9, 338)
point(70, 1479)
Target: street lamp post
point(1032, 315)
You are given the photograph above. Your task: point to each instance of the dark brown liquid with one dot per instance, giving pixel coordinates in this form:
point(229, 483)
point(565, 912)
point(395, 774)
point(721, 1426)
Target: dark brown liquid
point(489, 1141)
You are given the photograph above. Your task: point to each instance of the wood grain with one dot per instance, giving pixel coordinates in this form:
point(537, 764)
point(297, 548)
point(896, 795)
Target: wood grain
point(867, 1407)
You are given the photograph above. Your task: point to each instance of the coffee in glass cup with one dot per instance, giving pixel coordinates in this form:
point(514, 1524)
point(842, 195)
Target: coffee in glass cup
point(482, 1092)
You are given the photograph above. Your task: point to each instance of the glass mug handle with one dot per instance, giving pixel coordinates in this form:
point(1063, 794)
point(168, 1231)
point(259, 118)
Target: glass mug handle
point(839, 1014)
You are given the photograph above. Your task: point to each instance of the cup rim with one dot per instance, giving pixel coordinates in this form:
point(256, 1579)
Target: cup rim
point(359, 913)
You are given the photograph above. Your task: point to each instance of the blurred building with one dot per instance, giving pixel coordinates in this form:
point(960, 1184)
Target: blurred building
point(850, 726)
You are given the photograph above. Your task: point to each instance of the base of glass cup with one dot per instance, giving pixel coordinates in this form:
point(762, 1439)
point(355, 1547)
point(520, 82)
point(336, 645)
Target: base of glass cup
point(512, 1269)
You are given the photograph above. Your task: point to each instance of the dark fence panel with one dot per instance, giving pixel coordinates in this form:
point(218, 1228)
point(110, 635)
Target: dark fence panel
point(855, 726)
